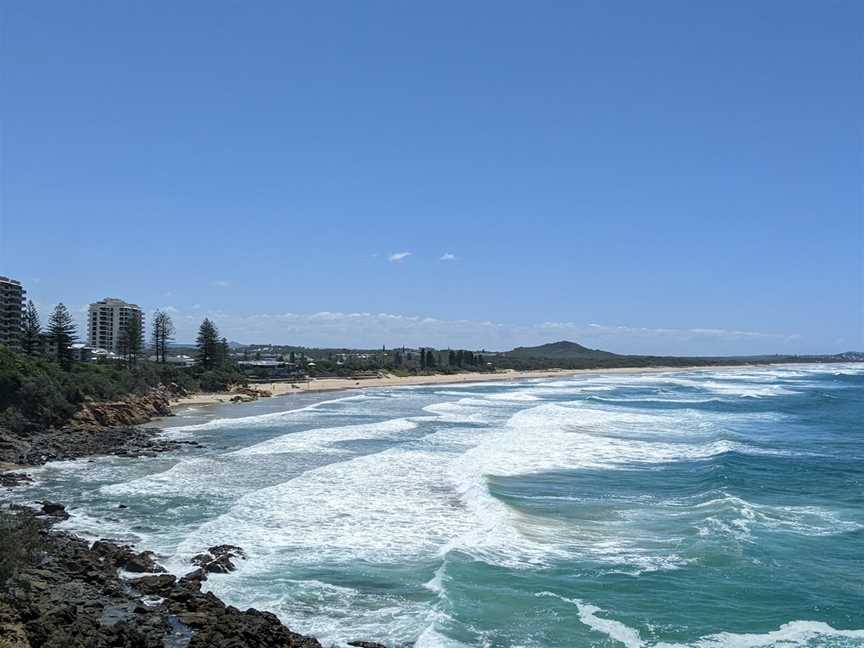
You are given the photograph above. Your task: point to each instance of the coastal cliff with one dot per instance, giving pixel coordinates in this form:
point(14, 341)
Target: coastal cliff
point(100, 428)
point(131, 410)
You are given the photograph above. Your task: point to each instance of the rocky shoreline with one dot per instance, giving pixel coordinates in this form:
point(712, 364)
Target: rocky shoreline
point(96, 429)
point(70, 594)
point(101, 428)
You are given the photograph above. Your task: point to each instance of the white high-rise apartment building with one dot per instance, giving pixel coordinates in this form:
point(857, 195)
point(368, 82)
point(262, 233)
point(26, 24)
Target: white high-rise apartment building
point(106, 321)
point(11, 309)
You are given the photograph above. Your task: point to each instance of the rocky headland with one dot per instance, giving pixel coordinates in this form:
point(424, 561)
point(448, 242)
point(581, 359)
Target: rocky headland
point(67, 594)
point(59, 591)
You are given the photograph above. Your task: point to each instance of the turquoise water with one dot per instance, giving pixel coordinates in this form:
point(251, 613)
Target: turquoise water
point(706, 508)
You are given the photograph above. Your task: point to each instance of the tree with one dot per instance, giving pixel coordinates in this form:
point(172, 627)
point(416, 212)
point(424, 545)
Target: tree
point(224, 353)
point(422, 358)
point(61, 333)
point(31, 329)
point(132, 339)
point(208, 344)
point(163, 333)
point(430, 359)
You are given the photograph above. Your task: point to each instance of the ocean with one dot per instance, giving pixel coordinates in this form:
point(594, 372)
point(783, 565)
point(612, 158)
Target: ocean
point(690, 508)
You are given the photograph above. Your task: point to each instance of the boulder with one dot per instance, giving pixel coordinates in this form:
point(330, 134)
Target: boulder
point(194, 579)
point(154, 585)
point(10, 479)
point(124, 557)
point(217, 560)
point(54, 510)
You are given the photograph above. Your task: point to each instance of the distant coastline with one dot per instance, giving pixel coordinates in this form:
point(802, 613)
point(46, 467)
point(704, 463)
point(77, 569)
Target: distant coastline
point(284, 387)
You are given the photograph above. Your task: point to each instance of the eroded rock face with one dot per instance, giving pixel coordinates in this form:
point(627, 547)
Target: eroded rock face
point(132, 410)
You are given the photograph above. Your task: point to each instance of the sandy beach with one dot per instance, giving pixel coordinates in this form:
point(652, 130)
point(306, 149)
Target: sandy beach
point(279, 388)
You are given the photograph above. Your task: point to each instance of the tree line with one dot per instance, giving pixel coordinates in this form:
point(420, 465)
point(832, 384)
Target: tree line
point(61, 334)
point(430, 359)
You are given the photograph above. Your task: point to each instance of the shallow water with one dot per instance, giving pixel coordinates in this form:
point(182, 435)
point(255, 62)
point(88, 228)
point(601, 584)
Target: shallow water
point(696, 508)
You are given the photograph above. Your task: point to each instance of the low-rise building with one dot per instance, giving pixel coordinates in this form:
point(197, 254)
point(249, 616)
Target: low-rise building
point(81, 352)
point(176, 360)
point(78, 351)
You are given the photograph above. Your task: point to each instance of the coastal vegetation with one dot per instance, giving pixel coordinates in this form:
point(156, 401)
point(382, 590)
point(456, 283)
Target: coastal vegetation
point(61, 334)
point(45, 389)
point(405, 362)
point(162, 335)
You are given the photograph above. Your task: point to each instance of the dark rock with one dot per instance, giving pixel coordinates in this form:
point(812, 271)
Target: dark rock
point(72, 597)
point(217, 560)
point(39, 447)
point(156, 585)
point(55, 510)
point(10, 479)
point(194, 579)
point(124, 557)
point(142, 562)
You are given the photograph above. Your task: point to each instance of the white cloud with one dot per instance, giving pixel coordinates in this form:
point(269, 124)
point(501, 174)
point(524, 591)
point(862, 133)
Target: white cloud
point(220, 283)
point(447, 257)
point(398, 257)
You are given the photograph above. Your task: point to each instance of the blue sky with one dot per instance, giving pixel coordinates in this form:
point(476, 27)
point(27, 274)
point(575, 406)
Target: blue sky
point(663, 177)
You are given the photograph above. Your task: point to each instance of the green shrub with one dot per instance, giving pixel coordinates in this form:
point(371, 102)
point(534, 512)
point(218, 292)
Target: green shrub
point(220, 379)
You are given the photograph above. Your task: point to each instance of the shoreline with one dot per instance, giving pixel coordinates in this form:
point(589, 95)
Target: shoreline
point(143, 437)
point(284, 387)
point(154, 605)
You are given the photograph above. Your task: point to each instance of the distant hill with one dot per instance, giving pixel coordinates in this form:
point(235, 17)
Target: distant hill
point(570, 355)
point(563, 350)
point(851, 356)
